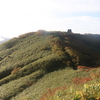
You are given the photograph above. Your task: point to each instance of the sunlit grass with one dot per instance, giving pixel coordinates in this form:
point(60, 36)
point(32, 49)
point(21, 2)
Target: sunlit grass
point(40, 65)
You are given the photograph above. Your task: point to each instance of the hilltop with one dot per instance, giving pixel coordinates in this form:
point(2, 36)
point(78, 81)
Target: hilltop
point(29, 63)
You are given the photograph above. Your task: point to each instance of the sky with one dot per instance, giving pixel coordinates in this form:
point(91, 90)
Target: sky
point(22, 16)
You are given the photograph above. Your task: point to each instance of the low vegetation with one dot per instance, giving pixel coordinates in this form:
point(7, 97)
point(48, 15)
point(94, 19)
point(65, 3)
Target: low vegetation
point(50, 66)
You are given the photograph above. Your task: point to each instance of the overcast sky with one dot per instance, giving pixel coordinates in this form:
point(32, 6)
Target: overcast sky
point(22, 16)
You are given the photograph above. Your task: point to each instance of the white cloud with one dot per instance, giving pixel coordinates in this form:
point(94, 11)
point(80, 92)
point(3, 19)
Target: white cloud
point(77, 5)
point(1, 39)
point(21, 16)
point(82, 24)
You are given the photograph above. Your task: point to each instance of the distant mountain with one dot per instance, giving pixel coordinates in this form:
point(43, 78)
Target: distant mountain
point(34, 62)
point(3, 39)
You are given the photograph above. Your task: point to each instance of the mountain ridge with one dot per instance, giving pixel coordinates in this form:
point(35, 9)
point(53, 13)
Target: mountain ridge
point(33, 55)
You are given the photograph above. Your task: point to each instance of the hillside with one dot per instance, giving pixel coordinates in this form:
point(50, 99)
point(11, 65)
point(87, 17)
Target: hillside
point(38, 60)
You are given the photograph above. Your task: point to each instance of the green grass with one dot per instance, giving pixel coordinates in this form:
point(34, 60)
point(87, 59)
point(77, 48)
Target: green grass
point(46, 62)
point(59, 80)
point(87, 92)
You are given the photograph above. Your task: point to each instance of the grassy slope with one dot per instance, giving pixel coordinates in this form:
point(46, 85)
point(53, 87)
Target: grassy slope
point(38, 55)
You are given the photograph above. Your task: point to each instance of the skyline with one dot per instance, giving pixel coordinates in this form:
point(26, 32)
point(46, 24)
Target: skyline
point(22, 16)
